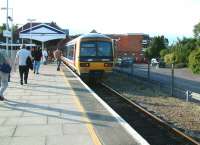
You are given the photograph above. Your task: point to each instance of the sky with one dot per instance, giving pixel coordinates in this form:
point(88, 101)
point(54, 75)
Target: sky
point(171, 18)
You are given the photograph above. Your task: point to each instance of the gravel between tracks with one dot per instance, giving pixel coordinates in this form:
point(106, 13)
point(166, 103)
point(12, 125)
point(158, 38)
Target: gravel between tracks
point(183, 115)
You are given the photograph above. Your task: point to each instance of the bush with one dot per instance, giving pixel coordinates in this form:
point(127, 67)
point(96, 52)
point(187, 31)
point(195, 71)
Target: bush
point(164, 52)
point(168, 59)
point(194, 61)
point(181, 56)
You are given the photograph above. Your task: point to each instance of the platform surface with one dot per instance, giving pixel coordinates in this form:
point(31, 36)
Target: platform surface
point(54, 108)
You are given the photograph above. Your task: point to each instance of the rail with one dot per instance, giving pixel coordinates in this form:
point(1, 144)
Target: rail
point(180, 137)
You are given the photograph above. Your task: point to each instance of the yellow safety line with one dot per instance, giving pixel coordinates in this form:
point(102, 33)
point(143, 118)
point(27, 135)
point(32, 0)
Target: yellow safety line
point(89, 125)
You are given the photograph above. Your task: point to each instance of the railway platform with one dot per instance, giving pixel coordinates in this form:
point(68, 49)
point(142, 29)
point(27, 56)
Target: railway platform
point(57, 108)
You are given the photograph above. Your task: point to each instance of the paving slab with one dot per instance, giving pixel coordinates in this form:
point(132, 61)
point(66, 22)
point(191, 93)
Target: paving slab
point(5, 140)
point(27, 141)
point(2, 120)
point(7, 131)
point(43, 112)
point(38, 130)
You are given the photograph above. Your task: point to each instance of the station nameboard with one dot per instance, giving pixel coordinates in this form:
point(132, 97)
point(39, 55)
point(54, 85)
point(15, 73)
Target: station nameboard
point(6, 33)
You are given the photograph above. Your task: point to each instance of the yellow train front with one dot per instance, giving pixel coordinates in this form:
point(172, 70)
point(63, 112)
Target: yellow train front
point(90, 55)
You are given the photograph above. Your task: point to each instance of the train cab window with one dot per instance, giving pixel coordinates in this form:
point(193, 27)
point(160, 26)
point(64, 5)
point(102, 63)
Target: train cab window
point(104, 49)
point(88, 49)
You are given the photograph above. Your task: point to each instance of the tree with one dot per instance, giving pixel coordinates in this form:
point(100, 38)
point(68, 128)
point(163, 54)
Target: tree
point(147, 53)
point(2, 28)
point(182, 49)
point(196, 31)
point(15, 33)
point(163, 52)
point(158, 43)
point(194, 61)
point(189, 43)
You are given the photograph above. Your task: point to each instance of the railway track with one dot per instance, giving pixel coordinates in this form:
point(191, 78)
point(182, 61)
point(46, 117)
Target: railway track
point(153, 129)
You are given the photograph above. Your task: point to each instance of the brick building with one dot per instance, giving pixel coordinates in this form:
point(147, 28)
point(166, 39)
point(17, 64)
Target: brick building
point(131, 45)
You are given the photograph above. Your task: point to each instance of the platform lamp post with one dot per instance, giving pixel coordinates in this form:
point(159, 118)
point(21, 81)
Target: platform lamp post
point(11, 20)
point(31, 21)
point(6, 26)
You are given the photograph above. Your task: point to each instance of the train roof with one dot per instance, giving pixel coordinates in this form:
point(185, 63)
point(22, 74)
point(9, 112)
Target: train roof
point(89, 35)
point(94, 35)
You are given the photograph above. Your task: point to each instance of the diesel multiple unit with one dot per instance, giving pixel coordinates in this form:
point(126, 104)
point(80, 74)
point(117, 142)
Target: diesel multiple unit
point(90, 55)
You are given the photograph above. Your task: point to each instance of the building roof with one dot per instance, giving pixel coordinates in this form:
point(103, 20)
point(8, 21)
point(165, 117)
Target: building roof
point(28, 25)
point(42, 32)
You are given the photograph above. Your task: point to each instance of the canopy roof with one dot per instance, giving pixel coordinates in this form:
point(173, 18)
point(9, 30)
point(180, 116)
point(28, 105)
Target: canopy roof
point(42, 32)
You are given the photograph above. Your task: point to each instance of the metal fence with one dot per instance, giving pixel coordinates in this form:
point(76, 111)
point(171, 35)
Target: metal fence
point(166, 80)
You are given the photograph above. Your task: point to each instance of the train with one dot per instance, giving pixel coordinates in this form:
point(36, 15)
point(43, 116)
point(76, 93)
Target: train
point(90, 55)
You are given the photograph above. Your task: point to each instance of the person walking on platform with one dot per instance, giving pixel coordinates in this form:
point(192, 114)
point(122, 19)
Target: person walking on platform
point(37, 56)
point(21, 58)
point(45, 56)
point(4, 73)
point(57, 56)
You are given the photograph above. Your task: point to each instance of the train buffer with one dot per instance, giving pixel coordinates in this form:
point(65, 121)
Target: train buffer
point(57, 108)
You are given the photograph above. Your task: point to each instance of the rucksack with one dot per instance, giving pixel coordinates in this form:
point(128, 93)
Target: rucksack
point(29, 63)
point(5, 68)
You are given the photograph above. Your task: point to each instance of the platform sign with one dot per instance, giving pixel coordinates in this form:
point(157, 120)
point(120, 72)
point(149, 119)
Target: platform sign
point(6, 33)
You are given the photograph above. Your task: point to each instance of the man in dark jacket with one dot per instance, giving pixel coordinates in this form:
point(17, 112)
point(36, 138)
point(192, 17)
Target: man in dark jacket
point(37, 55)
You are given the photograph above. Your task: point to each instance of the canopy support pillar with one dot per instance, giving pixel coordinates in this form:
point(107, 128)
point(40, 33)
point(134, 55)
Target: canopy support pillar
point(42, 45)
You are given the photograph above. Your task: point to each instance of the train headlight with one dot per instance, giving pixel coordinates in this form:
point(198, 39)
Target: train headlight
point(84, 64)
point(108, 64)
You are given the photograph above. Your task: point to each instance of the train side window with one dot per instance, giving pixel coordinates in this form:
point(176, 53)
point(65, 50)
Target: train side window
point(68, 48)
point(71, 52)
point(74, 51)
point(65, 51)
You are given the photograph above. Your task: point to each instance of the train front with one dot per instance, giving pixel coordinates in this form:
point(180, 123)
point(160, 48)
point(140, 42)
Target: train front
point(96, 57)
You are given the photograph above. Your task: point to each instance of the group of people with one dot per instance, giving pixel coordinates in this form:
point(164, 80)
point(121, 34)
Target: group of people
point(34, 55)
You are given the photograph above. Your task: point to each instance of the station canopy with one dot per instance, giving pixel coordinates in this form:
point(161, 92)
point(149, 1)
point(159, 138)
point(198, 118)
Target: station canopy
point(42, 32)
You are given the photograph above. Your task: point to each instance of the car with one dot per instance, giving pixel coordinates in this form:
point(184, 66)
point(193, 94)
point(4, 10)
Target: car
point(124, 62)
point(154, 62)
point(118, 62)
point(127, 62)
point(162, 64)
